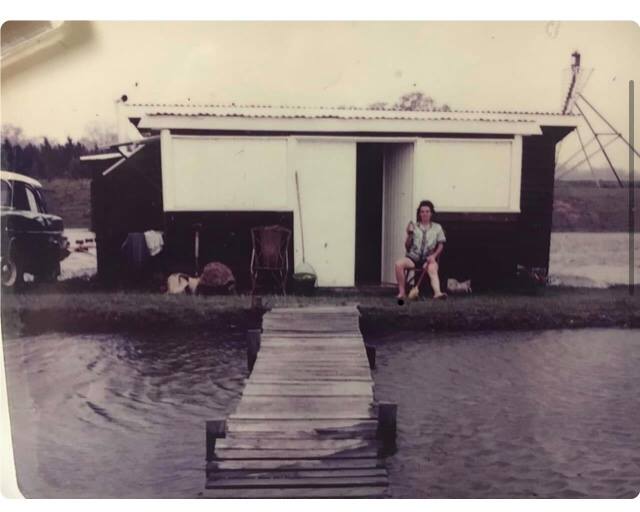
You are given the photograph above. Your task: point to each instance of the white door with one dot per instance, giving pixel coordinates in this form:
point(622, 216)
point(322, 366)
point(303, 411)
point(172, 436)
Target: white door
point(327, 177)
point(397, 207)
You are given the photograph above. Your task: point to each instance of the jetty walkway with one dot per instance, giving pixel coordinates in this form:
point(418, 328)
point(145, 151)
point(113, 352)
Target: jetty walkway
point(307, 425)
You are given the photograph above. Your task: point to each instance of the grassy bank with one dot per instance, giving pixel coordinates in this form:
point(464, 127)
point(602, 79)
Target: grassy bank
point(32, 313)
point(585, 207)
point(71, 199)
point(118, 311)
point(554, 308)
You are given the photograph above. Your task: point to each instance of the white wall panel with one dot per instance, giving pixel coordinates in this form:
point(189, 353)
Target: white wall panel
point(469, 175)
point(226, 173)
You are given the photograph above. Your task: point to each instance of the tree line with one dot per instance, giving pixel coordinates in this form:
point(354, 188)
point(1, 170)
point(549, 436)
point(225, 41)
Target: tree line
point(44, 159)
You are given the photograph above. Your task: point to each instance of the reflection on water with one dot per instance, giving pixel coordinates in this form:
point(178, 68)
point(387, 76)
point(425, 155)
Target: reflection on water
point(540, 414)
point(118, 416)
point(548, 414)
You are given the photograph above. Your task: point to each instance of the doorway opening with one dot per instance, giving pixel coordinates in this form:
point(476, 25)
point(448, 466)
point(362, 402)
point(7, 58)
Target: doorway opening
point(369, 178)
point(384, 195)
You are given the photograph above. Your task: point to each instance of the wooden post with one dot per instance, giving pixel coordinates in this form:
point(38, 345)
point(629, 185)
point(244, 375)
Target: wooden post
point(371, 356)
point(253, 347)
point(215, 429)
point(387, 413)
point(256, 302)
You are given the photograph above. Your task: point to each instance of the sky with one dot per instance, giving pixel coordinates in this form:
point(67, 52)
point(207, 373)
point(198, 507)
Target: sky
point(467, 65)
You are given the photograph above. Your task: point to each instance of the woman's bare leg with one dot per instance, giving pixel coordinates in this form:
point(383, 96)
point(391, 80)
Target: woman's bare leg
point(432, 270)
point(401, 264)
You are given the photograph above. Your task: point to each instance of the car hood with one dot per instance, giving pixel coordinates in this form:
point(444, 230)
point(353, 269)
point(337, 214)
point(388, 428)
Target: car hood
point(18, 220)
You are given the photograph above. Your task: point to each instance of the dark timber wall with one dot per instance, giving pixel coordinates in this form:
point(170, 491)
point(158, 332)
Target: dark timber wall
point(536, 203)
point(479, 247)
point(128, 199)
point(487, 248)
point(223, 237)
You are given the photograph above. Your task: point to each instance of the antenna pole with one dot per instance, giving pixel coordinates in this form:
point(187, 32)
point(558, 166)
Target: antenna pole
point(586, 155)
point(599, 144)
point(609, 124)
point(575, 69)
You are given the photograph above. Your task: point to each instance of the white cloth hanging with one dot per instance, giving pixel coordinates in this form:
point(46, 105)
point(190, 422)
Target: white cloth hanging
point(155, 241)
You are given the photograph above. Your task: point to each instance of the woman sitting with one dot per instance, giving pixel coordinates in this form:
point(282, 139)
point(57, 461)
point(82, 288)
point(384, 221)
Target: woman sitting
point(424, 244)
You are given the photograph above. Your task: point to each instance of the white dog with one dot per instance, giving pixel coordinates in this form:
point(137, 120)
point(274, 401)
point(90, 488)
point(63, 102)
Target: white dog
point(455, 286)
point(180, 283)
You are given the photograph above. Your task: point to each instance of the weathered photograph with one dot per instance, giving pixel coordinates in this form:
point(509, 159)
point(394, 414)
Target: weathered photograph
point(321, 259)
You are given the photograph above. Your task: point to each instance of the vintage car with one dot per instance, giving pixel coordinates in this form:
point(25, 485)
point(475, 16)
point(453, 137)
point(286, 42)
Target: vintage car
point(32, 239)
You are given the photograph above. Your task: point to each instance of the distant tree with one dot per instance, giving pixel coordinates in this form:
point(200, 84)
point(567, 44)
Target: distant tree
point(6, 156)
point(13, 134)
point(414, 101)
point(378, 105)
point(97, 135)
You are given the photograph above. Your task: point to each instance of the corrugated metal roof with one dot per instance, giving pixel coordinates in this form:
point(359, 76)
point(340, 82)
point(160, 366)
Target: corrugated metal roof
point(354, 113)
point(341, 108)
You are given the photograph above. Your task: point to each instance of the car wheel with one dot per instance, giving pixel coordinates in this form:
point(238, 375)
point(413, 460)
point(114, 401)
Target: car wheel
point(12, 274)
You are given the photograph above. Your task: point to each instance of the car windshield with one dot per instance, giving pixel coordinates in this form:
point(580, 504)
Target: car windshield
point(6, 193)
point(31, 199)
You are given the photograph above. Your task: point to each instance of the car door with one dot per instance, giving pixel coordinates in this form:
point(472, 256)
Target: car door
point(33, 229)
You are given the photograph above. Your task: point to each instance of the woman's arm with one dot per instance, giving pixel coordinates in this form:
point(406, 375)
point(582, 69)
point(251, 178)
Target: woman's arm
point(409, 241)
point(436, 253)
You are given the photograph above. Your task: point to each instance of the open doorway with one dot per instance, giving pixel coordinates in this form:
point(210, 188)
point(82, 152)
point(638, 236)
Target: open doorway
point(369, 177)
point(384, 192)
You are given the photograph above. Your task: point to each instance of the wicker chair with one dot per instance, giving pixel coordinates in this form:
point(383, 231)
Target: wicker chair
point(270, 255)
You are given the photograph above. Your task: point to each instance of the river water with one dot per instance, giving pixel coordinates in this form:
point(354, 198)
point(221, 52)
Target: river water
point(550, 414)
point(118, 416)
point(547, 414)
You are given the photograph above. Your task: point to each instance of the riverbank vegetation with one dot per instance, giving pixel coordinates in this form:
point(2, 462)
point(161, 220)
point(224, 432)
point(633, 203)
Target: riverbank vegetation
point(100, 311)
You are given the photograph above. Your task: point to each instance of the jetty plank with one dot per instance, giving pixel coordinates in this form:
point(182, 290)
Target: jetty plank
point(370, 451)
point(261, 443)
point(309, 388)
point(292, 464)
point(300, 473)
point(301, 493)
point(235, 425)
point(310, 482)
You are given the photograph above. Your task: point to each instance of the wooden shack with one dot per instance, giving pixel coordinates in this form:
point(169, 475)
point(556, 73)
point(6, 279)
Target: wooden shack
point(222, 170)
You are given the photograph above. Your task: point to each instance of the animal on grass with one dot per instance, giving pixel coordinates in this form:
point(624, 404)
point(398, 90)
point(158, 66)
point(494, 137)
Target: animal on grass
point(182, 283)
point(216, 279)
point(455, 286)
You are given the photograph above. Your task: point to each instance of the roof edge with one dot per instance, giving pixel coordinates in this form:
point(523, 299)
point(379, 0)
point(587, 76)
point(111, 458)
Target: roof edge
point(10, 175)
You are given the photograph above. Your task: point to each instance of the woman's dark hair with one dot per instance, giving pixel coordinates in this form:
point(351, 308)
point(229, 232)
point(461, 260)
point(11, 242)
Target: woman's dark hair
point(424, 203)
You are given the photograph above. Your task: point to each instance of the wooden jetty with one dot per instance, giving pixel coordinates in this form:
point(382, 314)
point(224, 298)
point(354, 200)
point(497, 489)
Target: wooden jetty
point(307, 425)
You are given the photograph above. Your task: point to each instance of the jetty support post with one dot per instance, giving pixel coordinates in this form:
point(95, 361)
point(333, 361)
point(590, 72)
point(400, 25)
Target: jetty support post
point(215, 429)
point(387, 425)
point(253, 347)
point(371, 356)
